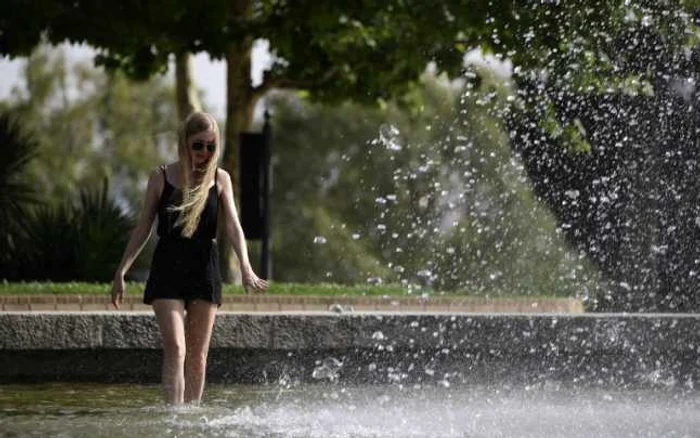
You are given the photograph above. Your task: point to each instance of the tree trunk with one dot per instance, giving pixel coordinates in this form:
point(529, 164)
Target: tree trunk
point(240, 105)
point(185, 88)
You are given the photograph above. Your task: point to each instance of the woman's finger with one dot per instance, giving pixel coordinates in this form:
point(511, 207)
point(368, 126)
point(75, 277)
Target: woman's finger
point(117, 298)
point(256, 285)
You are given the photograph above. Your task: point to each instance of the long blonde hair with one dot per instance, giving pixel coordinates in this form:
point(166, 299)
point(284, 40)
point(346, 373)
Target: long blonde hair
point(194, 197)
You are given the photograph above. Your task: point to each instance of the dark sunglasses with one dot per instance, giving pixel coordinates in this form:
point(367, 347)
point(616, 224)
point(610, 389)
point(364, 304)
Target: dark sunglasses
point(199, 145)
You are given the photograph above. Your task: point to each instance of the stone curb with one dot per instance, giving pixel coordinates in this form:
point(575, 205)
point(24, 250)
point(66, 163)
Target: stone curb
point(601, 349)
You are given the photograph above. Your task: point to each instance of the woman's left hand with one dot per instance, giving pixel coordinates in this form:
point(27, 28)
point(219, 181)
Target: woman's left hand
point(252, 283)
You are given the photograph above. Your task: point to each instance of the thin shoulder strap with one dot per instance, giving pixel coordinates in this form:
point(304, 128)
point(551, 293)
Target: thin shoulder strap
point(165, 181)
point(216, 186)
point(163, 168)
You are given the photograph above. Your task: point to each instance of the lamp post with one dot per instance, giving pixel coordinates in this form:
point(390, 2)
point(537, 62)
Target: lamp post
point(256, 188)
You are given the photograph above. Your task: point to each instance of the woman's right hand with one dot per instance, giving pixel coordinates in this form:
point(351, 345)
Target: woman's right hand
point(251, 282)
point(118, 291)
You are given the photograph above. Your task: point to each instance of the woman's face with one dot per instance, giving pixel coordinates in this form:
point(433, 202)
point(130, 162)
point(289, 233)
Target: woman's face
point(202, 147)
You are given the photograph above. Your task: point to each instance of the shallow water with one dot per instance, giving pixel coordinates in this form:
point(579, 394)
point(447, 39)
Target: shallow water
point(328, 410)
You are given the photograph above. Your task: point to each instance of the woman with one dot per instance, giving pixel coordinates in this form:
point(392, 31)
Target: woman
point(184, 285)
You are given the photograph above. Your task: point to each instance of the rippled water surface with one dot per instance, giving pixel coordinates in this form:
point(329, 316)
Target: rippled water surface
point(328, 410)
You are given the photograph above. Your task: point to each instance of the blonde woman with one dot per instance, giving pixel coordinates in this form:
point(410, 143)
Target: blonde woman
point(184, 285)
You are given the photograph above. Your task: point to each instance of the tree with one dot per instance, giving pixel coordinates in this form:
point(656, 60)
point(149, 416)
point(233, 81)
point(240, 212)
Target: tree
point(90, 125)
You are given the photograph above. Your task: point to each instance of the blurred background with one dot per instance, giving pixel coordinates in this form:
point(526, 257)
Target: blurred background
point(459, 147)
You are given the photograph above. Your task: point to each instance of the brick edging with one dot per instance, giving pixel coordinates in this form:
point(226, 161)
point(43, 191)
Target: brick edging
point(308, 303)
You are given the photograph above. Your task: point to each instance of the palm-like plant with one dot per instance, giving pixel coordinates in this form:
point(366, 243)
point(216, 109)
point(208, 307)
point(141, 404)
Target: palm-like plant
point(102, 231)
point(74, 241)
point(17, 149)
point(46, 245)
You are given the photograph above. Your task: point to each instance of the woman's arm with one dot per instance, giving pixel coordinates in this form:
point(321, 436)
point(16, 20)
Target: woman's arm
point(139, 235)
point(234, 234)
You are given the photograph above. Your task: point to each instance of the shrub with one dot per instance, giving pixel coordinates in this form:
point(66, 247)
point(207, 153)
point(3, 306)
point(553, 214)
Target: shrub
point(17, 149)
point(74, 241)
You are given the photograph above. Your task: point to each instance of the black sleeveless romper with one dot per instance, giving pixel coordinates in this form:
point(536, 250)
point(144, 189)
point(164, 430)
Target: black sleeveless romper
point(185, 268)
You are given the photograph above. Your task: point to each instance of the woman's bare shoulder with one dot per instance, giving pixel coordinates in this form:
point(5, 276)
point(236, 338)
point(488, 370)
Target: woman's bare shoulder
point(168, 171)
point(222, 174)
point(158, 170)
point(172, 167)
point(158, 174)
point(223, 179)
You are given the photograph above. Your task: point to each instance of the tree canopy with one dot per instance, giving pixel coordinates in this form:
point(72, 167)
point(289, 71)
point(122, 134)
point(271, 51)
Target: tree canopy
point(359, 50)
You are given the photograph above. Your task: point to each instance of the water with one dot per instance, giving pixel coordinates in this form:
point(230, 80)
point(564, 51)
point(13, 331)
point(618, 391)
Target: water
point(329, 410)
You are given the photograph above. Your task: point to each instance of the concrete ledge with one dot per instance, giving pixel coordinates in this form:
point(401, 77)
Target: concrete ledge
point(366, 347)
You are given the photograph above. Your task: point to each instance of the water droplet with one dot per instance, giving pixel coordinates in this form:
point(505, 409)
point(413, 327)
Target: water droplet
point(374, 280)
point(327, 369)
point(573, 194)
point(388, 135)
point(424, 273)
point(379, 336)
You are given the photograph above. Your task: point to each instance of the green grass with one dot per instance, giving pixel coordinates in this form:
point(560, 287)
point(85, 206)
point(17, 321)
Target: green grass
point(77, 288)
point(288, 289)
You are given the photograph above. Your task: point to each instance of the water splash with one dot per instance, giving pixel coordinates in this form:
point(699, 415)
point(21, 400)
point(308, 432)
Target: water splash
point(389, 136)
point(423, 411)
point(327, 369)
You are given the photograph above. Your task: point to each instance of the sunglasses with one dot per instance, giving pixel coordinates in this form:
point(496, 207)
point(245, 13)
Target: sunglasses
point(199, 145)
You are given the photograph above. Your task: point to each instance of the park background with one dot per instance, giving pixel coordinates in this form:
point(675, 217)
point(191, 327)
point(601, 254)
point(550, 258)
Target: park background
point(566, 170)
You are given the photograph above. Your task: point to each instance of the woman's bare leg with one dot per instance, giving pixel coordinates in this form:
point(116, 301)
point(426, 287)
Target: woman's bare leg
point(198, 327)
point(170, 315)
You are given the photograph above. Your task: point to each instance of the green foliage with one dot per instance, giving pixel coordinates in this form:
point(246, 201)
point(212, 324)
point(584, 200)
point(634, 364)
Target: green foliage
point(72, 241)
point(103, 233)
point(572, 134)
point(365, 51)
point(17, 149)
point(446, 207)
point(90, 125)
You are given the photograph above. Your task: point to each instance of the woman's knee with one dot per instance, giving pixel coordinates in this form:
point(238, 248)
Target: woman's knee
point(170, 317)
point(175, 349)
point(195, 365)
point(197, 359)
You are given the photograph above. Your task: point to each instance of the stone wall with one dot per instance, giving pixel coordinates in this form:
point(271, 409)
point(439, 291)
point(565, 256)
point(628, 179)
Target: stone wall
point(406, 348)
